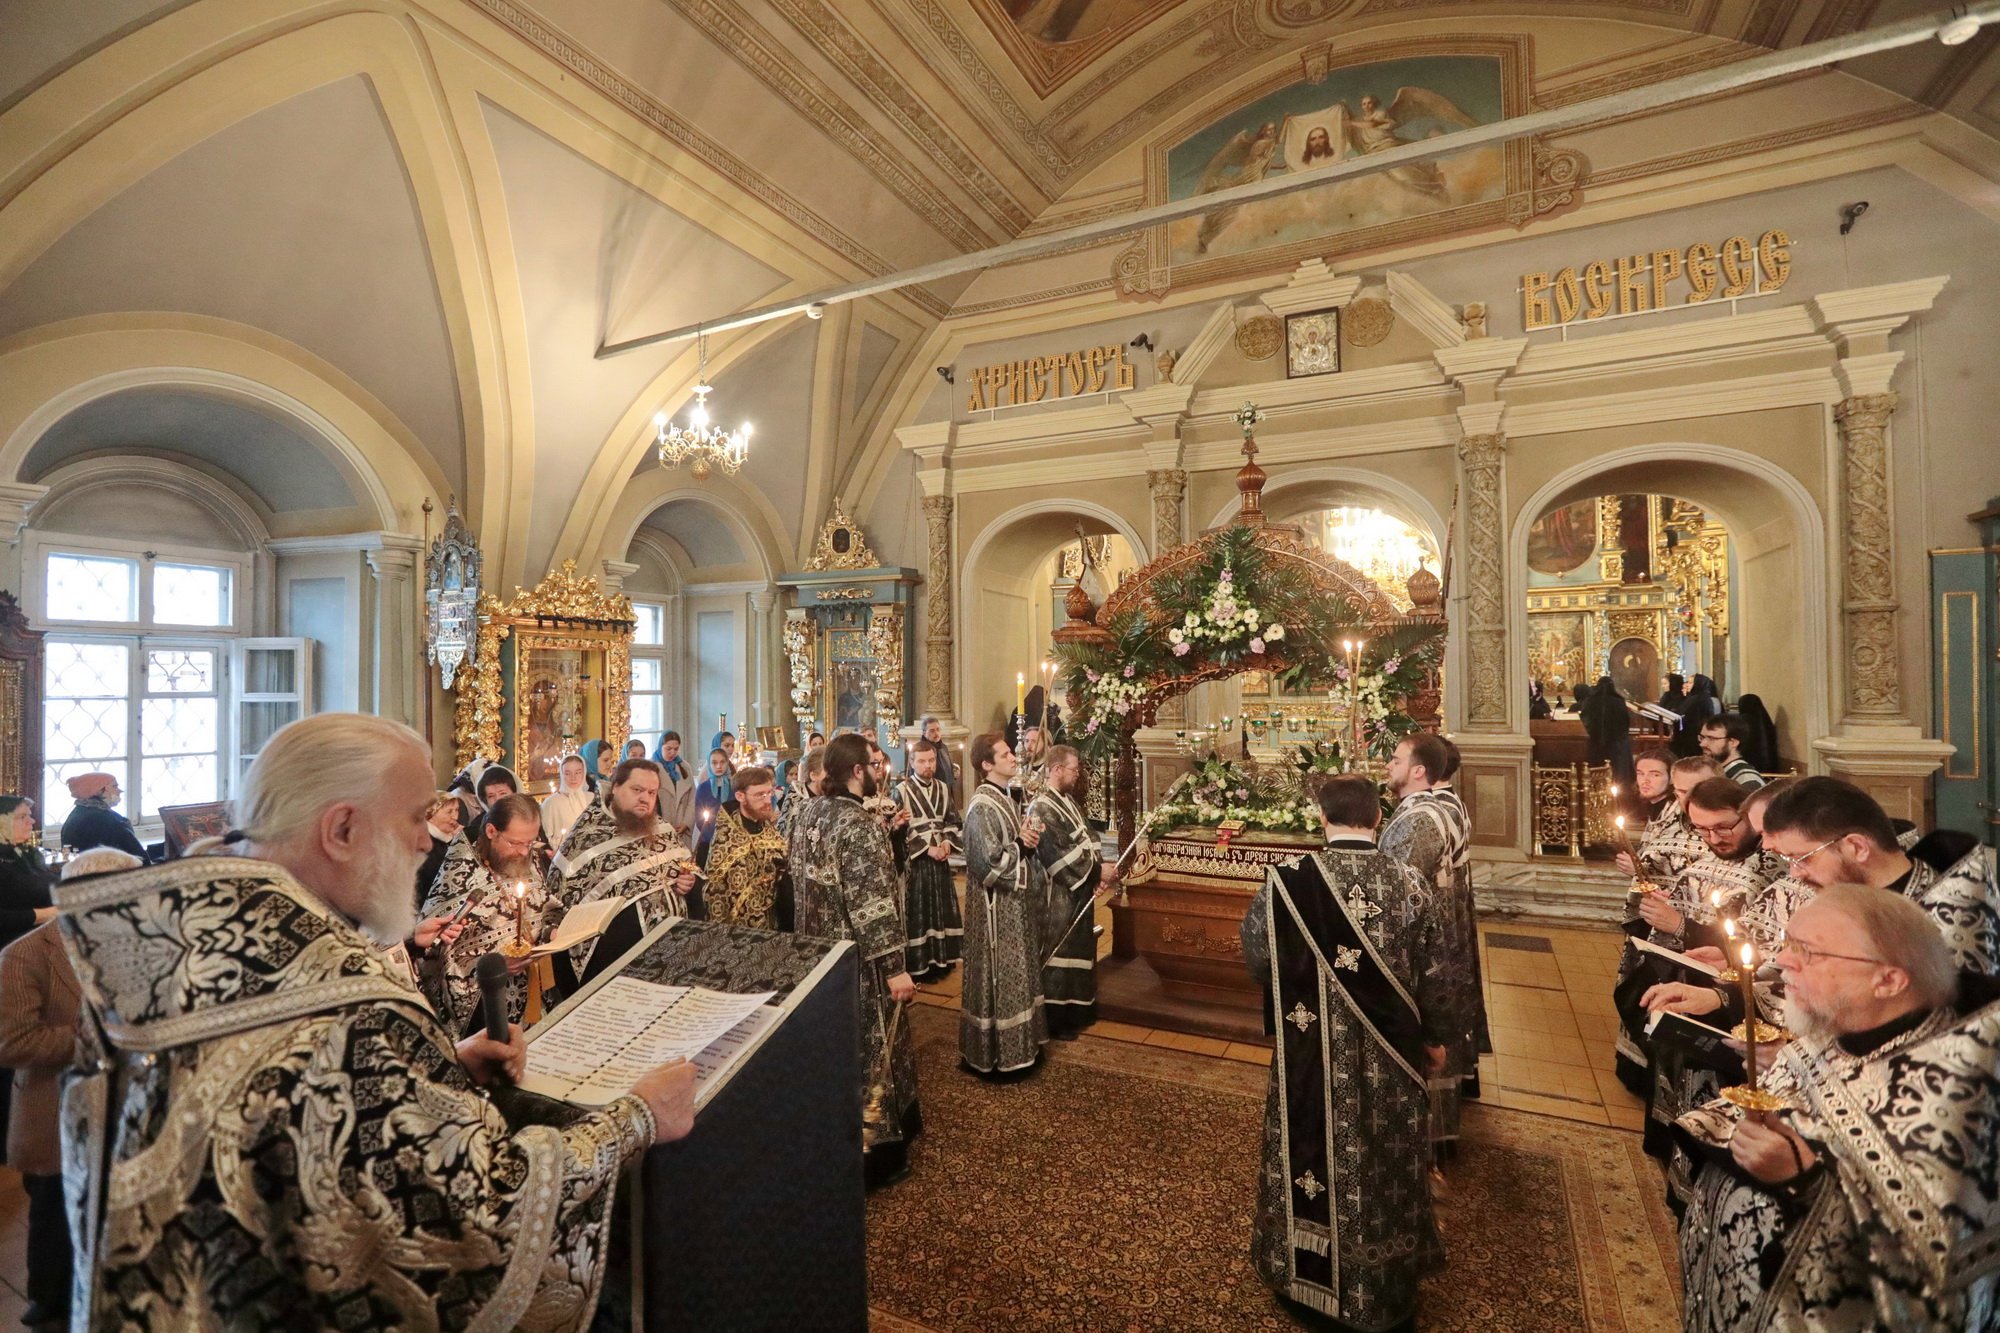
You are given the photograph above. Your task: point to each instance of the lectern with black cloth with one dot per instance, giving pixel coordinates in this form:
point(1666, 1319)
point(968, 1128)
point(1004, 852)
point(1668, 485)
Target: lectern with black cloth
point(756, 1219)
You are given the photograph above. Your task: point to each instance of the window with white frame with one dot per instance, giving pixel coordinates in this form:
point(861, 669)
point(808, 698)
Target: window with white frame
point(137, 660)
point(649, 671)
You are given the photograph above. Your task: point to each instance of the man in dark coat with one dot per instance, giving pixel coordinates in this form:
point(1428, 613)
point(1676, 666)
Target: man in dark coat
point(93, 823)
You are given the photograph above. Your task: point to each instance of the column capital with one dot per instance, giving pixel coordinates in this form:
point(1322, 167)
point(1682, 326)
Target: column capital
point(1481, 363)
point(1864, 376)
point(1860, 319)
point(762, 600)
point(17, 498)
point(1482, 419)
point(931, 443)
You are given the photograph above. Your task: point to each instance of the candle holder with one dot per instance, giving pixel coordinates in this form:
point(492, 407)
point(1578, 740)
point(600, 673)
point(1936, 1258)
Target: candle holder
point(1760, 1100)
point(1768, 1034)
point(515, 948)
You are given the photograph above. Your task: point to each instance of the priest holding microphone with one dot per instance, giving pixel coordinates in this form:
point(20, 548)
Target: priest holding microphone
point(272, 1126)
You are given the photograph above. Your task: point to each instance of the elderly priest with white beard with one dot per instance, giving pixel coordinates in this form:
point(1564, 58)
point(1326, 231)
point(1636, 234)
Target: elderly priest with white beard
point(273, 1129)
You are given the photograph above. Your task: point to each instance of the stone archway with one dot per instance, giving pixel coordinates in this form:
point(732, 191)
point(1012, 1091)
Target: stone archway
point(1782, 572)
point(995, 596)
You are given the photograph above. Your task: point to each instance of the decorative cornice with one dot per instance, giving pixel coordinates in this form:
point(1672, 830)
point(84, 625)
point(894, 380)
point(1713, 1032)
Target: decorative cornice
point(1482, 358)
point(1422, 309)
point(1865, 312)
point(1792, 388)
point(1313, 286)
point(1866, 376)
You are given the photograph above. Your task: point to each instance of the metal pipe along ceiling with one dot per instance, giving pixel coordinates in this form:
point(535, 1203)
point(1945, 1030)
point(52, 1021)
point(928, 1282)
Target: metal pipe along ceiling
point(1959, 23)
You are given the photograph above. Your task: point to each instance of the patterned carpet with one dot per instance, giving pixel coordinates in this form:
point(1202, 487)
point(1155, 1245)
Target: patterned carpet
point(1112, 1190)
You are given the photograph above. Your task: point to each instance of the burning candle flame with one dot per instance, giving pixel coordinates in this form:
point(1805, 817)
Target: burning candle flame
point(1729, 927)
point(1749, 954)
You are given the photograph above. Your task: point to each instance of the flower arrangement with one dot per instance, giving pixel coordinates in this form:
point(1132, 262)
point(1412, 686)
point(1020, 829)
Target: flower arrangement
point(1273, 801)
point(1237, 608)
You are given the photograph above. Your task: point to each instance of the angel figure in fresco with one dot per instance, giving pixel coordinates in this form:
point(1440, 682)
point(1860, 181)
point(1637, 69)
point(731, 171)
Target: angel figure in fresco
point(1245, 158)
point(1315, 139)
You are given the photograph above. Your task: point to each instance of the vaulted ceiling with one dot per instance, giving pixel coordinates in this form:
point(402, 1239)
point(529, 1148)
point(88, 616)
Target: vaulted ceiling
point(439, 208)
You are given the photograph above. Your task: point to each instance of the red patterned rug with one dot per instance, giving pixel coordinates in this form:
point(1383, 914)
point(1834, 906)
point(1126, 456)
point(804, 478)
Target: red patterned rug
point(1113, 1188)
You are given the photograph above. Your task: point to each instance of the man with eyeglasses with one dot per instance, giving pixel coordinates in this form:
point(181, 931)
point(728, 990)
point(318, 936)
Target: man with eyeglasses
point(1872, 1201)
point(1831, 832)
point(1730, 879)
point(1722, 740)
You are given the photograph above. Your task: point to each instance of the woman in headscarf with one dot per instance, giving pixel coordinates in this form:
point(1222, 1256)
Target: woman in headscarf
point(1762, 747)
point(1608, 723)
point(1676, 697)
point(570, 799)
point(709, 796)
point(1701, 706)
point(24, 875)
point(444, 819)
point(635, 748)
point(597, 763)
point(677, 784)
point(724, 741)
point(93, 823)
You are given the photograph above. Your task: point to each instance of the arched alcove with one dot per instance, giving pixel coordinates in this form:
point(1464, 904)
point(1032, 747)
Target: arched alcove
point(1781, 652)
point(1004, 581)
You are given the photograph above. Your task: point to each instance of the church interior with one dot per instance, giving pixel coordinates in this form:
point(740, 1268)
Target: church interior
point(538, 373)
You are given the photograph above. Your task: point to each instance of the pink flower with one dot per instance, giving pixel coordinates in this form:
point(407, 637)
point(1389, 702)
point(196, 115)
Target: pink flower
point(1228, 575)
point(1130, 671)
point(1256, 645)
point(1242, 793)
point(1181, 649)
point(1090, 676)
point(1092, 727)
point(1122, 707)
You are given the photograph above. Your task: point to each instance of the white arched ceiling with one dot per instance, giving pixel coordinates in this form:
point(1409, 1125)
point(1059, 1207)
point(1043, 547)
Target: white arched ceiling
point(40, 38)
point(598, 260)
point(276, 460)
point(298, 220)
point(772, 389)
point(700, 530)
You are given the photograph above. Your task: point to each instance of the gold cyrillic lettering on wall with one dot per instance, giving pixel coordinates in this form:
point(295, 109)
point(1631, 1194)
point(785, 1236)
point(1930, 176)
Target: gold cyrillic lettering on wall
point(1038, 379)
point(1635, 284)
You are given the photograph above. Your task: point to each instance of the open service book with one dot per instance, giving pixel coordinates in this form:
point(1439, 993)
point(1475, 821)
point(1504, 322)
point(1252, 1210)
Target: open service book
point(597, 1043)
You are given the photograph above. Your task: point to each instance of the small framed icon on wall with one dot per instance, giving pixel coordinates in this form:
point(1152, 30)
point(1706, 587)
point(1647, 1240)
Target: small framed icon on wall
point(1312, 343)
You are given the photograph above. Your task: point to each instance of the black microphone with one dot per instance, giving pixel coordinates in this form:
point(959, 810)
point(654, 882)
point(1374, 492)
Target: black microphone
point(491, 971)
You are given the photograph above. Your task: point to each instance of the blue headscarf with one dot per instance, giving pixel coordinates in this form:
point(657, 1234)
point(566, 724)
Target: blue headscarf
point(676, 767)
point(589, 753)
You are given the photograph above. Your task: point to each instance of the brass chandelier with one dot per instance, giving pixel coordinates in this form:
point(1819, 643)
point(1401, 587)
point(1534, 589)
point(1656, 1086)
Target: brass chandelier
point(704, 447)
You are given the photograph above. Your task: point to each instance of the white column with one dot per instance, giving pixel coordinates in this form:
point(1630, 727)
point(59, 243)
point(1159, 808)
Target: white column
point(769, 706)
point(398, 643)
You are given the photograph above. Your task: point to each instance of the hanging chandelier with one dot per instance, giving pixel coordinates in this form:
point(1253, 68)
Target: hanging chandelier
point(702, 446)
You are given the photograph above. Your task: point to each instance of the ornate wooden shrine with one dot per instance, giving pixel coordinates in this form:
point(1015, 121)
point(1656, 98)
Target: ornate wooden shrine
point(1177, 960)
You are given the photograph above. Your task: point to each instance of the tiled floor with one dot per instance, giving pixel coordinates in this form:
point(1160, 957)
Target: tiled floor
point(1548, 1001)
point(1548, 996)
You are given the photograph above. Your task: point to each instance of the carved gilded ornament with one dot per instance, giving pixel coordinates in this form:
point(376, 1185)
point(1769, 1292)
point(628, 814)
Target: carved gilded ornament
point(1169, 490)
point(1874, 688)
point(1366, 322)
point(799, 657)
point(885, 645)
point(564, 597)
point(1261, 337)
point(841, 544)
point(937, 593)
point(1486, 640)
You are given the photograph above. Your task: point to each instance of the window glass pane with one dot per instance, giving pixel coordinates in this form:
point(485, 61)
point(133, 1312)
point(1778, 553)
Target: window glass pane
point(180, 671)
point(652, 623)
point(87, 729)
point(646, 716)
point(88, 587)
point(180, 780)
point(258, 722)
point(177, 726)
point(87, 670)
point(190, 595)
point(56, 802)
point(270, 671)
point(645, 675)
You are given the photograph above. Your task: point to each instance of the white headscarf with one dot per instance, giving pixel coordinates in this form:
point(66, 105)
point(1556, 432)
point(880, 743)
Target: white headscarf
point(566, 804)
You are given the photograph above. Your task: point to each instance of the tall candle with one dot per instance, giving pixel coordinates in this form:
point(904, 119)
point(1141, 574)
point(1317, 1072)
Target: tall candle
point(1021, 693)
point(521, 912)
point(1744, 973)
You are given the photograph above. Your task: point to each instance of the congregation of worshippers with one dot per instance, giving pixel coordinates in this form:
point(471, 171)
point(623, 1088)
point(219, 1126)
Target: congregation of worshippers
point(1862, 949)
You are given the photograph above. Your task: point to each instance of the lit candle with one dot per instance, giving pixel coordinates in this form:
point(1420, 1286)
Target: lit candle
point(1021, 693)
point(1744, 974)
point(521, 911)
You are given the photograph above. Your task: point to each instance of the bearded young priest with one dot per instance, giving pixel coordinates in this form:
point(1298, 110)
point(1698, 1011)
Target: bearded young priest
point(271, 1129)
point(493, 885)
point(1350, 944)
point(621, 846)
point(1072, 858)
point(1001, 1025)
point(930, 898)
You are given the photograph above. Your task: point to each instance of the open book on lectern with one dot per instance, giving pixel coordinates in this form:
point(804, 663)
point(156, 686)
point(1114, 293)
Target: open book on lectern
point(592, 1048)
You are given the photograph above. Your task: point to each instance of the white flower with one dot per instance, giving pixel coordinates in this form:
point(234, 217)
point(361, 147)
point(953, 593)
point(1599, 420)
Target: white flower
point(1250, 616)
point(1273, 633)
point(1175, 636)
